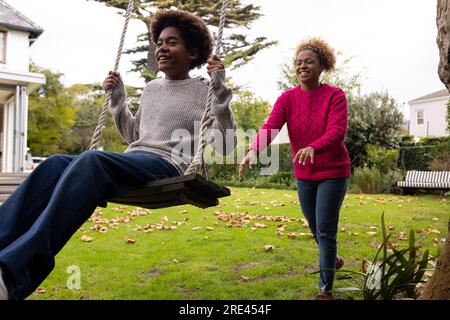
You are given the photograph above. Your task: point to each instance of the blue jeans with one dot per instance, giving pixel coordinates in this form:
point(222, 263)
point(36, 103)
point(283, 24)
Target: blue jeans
point(321, 202)
point(38, 219)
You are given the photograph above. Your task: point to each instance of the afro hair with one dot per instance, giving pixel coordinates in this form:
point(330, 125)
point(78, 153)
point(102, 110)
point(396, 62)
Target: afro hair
point(322, 49)
point(194, 31)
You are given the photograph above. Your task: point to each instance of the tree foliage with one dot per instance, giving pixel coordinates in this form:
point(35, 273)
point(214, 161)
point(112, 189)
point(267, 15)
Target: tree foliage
point(250, 112)
point(373, 119)
point(52, 112)
point(62, 120)
point(238, 48)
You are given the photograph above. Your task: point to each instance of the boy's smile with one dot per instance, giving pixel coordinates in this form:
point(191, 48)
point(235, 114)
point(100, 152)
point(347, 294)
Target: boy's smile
point(172, 54)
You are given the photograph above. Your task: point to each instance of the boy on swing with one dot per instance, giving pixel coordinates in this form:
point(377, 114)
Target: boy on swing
point(38, 219)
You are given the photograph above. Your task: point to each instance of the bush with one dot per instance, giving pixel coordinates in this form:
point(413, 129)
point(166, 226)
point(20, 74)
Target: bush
point(381, 158)
point(431, 153)
point(379, 175)
point(367, 180)
point(284, 178)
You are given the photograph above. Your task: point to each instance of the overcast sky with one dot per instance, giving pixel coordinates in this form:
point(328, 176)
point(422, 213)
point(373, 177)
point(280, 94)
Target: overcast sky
point(393, 40)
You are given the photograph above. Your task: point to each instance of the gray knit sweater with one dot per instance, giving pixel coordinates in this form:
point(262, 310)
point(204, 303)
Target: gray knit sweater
point(168, 120)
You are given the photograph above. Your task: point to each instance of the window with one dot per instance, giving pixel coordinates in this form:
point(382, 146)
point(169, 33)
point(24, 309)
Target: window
point(2, 46)
point(420, 119)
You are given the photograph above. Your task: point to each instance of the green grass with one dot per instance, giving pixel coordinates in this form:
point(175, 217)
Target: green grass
point(230, 262)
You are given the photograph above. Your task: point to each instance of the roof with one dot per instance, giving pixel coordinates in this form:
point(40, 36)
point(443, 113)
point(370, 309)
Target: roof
point(13, 19)
point(434, 95)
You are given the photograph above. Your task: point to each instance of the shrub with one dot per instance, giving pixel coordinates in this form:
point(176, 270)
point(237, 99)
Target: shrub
point(380, 174)
point(430, 153)
point(367, 180)
point(284, 178)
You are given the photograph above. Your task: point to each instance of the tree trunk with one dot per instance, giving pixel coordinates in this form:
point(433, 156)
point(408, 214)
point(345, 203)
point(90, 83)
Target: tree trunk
point(152, 64)
point(438, 288)
point(443, 40)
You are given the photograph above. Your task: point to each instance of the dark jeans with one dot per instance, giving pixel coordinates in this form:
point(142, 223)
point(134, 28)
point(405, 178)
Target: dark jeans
point(38, 219)
point(321, 202)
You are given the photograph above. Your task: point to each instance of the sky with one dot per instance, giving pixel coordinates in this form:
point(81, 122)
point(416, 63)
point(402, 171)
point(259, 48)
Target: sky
point(393, 41)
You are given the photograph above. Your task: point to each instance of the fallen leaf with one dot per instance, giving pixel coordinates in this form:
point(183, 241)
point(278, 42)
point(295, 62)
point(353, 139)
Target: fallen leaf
point(305, 222)
point(371, 233)
point(293, 235)
point(209, 229)
point(269, 247)
point(375, 244)
point(276, 203)
point(392, 245)
point(138, 212)
point(243, 278)
point(40, 290)
point(260, 225)
point(129, 240)
point(197, 228)
point(401, 236)
point(303, 234)
point(86, 238)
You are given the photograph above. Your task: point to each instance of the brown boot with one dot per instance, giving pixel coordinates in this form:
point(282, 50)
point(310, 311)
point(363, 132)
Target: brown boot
point(339, 263)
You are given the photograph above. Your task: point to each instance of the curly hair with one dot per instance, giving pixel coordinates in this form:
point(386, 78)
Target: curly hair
point(194, 31)
point(323, 50)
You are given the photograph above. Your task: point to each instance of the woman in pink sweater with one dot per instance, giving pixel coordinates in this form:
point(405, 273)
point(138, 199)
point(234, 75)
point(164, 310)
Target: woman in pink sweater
point(316, 117)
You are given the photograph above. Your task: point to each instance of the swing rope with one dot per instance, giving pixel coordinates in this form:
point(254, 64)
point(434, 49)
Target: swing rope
point(101, 121)
point(206, 117)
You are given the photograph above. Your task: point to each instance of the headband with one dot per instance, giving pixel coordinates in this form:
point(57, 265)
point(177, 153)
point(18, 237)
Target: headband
point(317, 51)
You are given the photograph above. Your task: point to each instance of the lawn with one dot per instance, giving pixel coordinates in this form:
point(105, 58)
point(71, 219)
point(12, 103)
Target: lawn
point(254, 245)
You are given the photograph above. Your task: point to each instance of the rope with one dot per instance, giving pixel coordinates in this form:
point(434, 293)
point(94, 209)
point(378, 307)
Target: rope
point(206, 118)
point(101, 122)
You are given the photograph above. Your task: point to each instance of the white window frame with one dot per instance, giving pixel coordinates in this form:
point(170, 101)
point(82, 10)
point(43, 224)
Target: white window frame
point(421, 118)
point(3, 52)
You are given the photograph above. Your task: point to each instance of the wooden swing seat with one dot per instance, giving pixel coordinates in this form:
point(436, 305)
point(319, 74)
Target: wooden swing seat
point(191, 189)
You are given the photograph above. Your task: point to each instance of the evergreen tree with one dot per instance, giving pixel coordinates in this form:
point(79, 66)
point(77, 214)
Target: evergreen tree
point(238, 49)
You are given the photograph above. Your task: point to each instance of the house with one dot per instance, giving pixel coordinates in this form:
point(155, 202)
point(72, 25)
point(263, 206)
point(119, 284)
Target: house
point(428, 114)
point(17, 34)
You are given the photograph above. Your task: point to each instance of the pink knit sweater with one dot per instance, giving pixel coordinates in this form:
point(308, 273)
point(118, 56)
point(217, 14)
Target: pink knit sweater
point(315, 118)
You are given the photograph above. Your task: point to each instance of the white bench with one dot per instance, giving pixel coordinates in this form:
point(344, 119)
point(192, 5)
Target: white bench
point(439, 180)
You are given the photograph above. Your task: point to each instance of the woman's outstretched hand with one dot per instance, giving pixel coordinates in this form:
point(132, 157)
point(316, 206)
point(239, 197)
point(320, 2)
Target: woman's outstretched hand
point(249, 160)
point(303, 154)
